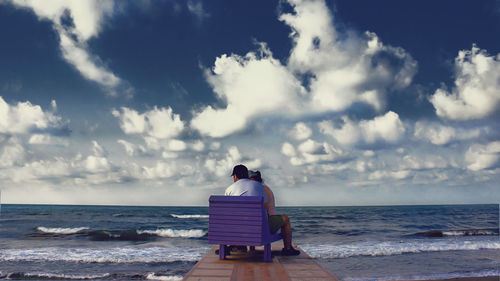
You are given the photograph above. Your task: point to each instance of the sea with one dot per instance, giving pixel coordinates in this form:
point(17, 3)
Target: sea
point(62, 242)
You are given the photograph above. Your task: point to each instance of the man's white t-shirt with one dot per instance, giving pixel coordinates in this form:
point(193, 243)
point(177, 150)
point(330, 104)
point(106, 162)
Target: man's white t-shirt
point(246, 187)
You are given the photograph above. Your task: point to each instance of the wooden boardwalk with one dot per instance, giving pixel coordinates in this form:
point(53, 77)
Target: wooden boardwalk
point(248, 267)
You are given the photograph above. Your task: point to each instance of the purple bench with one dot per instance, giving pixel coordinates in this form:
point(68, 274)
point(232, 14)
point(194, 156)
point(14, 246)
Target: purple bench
point(239, 220)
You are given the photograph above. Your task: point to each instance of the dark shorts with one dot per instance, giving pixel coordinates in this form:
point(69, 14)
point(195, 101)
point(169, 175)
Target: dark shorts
point(275, 223)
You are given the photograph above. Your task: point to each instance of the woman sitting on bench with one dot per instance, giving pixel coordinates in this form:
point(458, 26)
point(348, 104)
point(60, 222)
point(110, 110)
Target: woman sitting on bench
point(276, 221)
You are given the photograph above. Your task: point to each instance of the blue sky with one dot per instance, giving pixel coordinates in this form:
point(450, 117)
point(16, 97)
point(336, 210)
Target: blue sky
point(335, 102)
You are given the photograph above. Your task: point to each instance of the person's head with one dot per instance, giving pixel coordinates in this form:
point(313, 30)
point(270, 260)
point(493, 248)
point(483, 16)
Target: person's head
point(255, 175)
point(240, 172)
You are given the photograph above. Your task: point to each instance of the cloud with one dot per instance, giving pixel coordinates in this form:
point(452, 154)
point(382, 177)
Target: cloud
point(480, 157)
point(311, 147)
point(310, 152)
point(196, 8)
point(300, 132)
point(130, 148)
point(162, 170)
point(441, 135)
point(384, 128)
point(252, 85)
point(47, 140)
point(396, 175)
point(160, 123)
point(338, 72)
point(423, 162)
point(21, 166)
point(222, 166)
point(476, 93)
point(76, 22)
point(344, 68)
point(24, 118)
point(288, 149)
point(13, 153)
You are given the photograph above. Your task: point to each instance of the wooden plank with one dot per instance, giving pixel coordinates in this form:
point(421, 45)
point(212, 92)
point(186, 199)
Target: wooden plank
point(235, 219)
point(235, 212)
point(235, 205)
point(234, 240)
point(235, 235)
point(247, 267)
point(243, 199)
point(235, 229)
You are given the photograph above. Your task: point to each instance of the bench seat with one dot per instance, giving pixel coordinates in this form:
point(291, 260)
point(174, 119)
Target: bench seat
point(239, 220)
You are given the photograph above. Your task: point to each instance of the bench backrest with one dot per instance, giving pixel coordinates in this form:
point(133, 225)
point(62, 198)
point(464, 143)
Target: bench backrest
point(237, 220)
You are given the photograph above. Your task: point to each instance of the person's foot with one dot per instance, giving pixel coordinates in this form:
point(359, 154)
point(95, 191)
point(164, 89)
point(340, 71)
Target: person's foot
point(290, 252)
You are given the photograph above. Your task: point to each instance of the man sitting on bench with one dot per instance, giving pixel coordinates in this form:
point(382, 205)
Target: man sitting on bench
point(243, 186)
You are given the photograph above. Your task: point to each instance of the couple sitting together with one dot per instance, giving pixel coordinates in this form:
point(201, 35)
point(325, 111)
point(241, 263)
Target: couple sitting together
point(250, 183)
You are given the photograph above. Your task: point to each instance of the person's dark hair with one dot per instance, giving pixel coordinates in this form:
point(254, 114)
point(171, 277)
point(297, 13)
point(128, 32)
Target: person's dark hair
point(255, 175)
point(240, 171)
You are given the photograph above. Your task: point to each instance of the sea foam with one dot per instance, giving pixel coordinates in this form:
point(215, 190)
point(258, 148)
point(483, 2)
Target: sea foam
point(53, 276)
point(104, 255)
point(173, 233)
point(60, 230)
point(189, 216)
point(153, 276)
point(389, 248)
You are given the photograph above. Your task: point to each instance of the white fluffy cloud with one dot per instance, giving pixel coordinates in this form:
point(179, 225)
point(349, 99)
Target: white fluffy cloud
point(476, 93)
point(440, 135)
point(251, 85)
point(87, 18)
point(222, 166)
point(383, 174)
point(342, 72)
point(25, 117)
point(160, 123)
point(310, 152)
point(131, 149)
point(47, 140)
point(300, 132)
point(288, 149)
point(480, 157)
point(423, 162)
point(386, 128)
point(19, 166)
point(12, 153)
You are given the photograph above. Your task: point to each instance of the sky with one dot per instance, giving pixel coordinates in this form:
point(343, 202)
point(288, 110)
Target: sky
point(336, 102)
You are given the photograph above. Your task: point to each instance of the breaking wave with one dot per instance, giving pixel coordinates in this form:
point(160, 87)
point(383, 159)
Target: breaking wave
point(105, 255)
point(51, 276)
point(119, 235)
point(106, 276)
point(144, 235)
point(61, 230)
point(173, 233)
point(466, 232)
point(189, 216)
point(153, 276)
point(390, 248)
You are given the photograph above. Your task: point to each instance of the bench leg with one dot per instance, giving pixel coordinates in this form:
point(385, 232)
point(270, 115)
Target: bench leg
point(267, 252)
point(222, 252)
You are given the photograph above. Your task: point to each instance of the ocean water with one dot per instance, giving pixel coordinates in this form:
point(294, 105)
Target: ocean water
point(44, 242)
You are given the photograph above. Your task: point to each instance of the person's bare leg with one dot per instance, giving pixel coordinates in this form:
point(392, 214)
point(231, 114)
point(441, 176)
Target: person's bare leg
point(286, 229)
